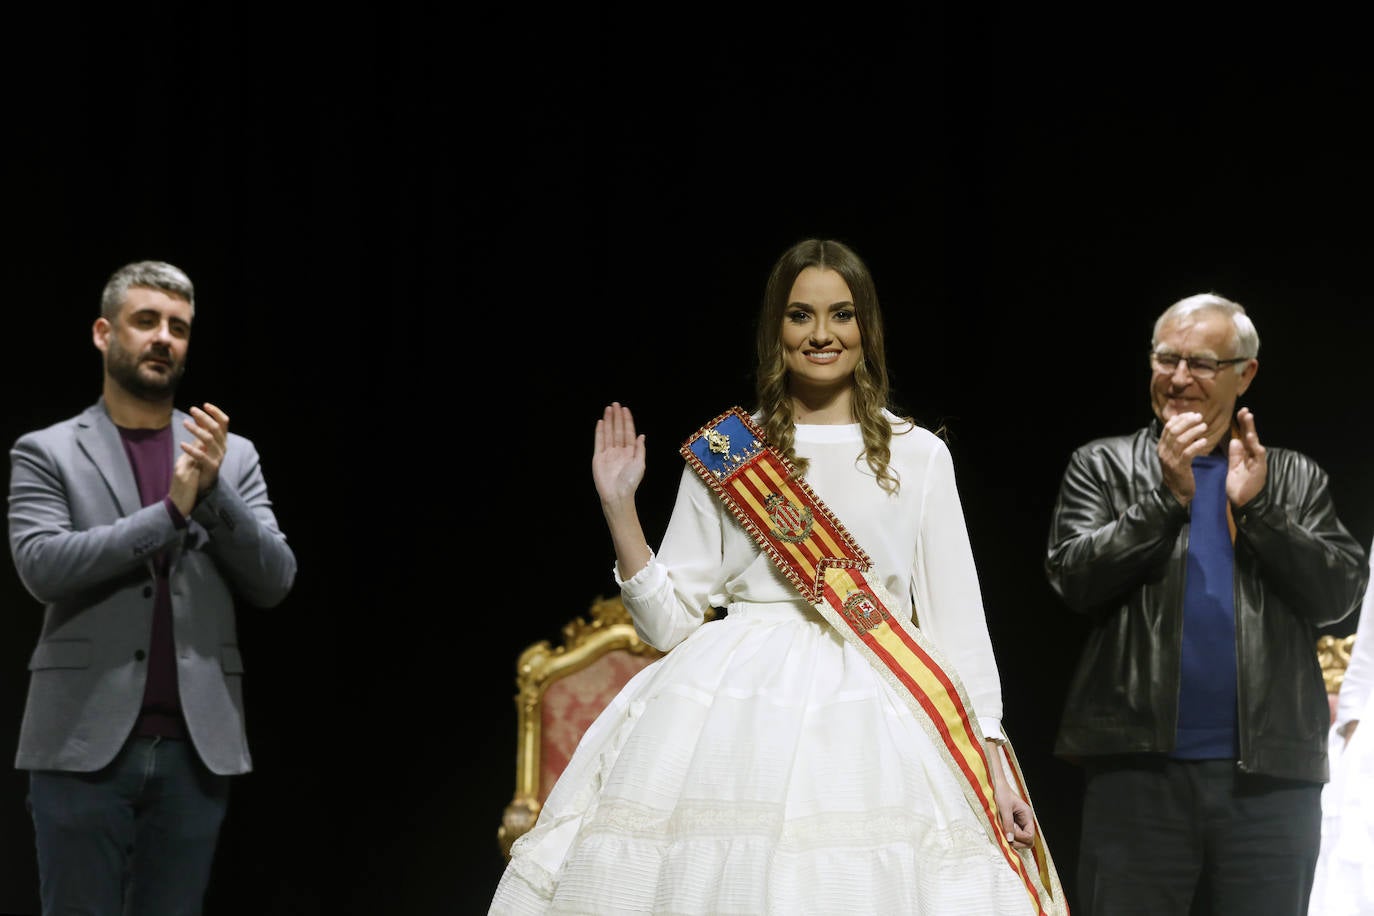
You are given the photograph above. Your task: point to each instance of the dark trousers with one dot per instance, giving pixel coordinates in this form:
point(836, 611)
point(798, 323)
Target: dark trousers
point(1172, 837)
point(136, 838)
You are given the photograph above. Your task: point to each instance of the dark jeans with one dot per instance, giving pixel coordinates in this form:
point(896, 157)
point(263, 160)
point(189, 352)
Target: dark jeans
point(136, 838)
point(1157, 832)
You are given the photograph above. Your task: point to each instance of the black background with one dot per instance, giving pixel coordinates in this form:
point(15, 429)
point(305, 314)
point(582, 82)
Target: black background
point(431, 243)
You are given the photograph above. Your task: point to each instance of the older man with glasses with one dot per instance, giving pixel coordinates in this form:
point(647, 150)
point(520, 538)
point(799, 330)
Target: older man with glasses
point(1205, 563)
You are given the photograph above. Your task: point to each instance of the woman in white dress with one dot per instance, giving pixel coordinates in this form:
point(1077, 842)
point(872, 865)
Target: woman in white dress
point(764, 766)
point(1344, 881)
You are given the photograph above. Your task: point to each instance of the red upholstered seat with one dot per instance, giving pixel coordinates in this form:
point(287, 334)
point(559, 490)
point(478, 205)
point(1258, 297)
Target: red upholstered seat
point(559, 692)
point(573, 701)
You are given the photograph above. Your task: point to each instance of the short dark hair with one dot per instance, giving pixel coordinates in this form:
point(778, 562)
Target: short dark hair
point(150, 275)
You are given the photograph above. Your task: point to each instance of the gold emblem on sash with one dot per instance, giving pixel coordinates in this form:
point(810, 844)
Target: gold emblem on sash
point(791, 523)
point(863, 610)
point(718, 442)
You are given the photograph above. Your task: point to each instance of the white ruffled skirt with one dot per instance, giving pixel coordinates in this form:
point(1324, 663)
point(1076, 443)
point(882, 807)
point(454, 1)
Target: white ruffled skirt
point(761, 767)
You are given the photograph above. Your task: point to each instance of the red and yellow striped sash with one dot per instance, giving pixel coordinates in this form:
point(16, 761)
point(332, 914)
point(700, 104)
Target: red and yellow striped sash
point(813, 549)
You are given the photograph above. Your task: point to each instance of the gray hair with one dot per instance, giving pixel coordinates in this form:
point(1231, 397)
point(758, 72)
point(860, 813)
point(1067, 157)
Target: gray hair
point(1244, 337)
point(147, 274)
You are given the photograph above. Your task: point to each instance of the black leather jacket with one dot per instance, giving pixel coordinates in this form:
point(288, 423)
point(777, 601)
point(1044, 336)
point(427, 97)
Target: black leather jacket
point(1118, 552)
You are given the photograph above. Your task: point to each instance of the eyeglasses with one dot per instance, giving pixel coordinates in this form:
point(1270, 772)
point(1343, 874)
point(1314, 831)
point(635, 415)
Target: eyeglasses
point(1203, 367)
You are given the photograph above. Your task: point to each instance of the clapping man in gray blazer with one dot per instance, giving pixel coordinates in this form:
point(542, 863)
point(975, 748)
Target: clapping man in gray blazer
point(138, 527)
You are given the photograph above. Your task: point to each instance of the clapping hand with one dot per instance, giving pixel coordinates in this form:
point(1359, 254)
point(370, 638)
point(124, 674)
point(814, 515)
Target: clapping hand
point(1247, 466)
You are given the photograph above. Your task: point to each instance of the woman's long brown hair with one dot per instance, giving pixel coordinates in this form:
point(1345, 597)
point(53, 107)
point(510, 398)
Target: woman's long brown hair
point(871, 391)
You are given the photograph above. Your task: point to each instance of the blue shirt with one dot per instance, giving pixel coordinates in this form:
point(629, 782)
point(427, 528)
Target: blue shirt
point(1207, 684)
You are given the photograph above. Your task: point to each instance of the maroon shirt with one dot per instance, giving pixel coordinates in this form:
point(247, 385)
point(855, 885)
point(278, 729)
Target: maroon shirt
point(150, 453)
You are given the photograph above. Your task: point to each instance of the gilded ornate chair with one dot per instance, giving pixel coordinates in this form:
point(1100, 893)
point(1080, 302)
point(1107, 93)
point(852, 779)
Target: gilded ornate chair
point(1334, 654)
point(560, 691)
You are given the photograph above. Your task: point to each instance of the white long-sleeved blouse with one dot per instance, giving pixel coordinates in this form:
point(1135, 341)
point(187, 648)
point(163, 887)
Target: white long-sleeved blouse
point(917, 540)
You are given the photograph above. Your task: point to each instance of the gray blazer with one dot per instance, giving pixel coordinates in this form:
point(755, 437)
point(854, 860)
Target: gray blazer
point(83, 546)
